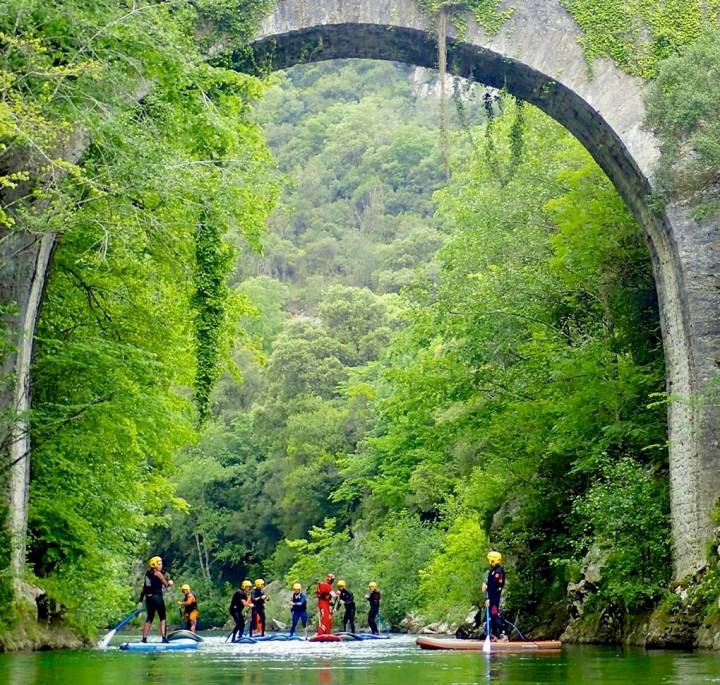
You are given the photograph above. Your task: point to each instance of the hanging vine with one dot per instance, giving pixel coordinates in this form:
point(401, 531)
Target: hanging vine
point(213, 263)
point(488, 17)
point(516, 142)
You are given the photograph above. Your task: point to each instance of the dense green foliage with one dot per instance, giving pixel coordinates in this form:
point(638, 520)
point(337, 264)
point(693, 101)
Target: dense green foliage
point(414, 408)
point(169, 174)
point(682, 108)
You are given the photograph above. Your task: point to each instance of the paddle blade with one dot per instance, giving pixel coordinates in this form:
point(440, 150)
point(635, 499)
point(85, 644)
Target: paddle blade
point(486, 645)
point(105, 641)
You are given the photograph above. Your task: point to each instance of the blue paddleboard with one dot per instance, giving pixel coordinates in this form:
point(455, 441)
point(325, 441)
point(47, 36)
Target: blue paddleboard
point(174, 646)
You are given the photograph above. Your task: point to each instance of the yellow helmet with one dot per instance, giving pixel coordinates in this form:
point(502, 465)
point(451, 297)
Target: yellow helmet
point(372, 585)
point(297, 587)
point(259, 583)
point(155, 562)
point(246, 583)
point(341, 584)
point(494, 558)
point(185, 588)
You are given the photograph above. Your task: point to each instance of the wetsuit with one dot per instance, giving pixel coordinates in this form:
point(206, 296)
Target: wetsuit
point(257, 616)
point(237, 609)
point(152, 593)
point(495, 584)
point(299, 610)
point(348, 600)
point(374, 601)
point(324, 597)
point(191, 610)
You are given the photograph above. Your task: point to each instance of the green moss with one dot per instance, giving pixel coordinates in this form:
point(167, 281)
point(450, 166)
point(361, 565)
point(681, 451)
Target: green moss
point(639, 34)
point(486, 13)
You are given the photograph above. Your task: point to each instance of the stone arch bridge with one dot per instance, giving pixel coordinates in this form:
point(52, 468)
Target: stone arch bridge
point(537, 57)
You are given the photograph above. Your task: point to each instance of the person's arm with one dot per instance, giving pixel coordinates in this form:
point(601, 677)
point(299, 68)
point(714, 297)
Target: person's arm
point(163, 579)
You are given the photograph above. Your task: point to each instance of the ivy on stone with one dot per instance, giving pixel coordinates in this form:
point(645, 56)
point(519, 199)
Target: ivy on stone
point(638, 35)
point(487, 13)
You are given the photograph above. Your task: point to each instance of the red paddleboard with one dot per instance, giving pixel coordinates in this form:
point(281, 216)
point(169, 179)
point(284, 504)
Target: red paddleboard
point(325, 638)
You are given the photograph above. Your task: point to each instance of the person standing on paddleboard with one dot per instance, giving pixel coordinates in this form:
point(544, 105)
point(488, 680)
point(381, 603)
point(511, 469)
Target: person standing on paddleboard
point(325, 597)
point(152, 592)
point(257, 616)
point(493, 587)
point(348, 601)
point(190, 608)
point(373, 599)
point(298, 608)
point(239, 602)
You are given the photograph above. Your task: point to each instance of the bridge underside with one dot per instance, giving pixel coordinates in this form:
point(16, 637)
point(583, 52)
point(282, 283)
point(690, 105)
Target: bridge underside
point(419, 48)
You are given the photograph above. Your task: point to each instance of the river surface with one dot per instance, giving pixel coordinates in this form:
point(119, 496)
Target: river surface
point(390, 662)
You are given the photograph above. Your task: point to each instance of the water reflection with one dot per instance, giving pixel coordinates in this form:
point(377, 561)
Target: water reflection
point(394, 662)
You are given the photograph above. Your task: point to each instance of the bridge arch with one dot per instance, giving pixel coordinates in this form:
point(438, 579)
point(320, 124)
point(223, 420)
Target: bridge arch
point(537, 57)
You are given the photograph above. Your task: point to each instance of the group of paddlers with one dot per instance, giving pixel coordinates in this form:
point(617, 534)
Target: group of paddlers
point(252, 596)
point(329, 601)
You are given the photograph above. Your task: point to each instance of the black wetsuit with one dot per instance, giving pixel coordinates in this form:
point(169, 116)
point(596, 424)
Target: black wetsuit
point(347, 598)
point(237, 609)
point(257, 617)
point(374, 601)
point(495, 584)
point(152, 593)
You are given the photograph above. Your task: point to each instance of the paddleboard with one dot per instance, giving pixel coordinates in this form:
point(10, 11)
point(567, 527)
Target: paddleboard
point(372, 636)
point(174, 646)
point(325, 638)
point(184, 635)
point(427, 642)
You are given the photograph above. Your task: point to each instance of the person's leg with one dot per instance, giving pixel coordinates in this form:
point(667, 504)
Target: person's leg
point(371, 621)
point(163, 619)
point(494, 620)
point(351, 618)
point(253, 621)
point(261, 614)
point(295, 619)
point(150, 617)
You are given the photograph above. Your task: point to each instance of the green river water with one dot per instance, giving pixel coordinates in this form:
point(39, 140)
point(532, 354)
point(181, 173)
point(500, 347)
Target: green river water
point(391, 662)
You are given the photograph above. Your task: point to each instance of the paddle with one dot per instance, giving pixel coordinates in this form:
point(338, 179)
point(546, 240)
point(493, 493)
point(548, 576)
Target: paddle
point(105, 641)
point(486, 644)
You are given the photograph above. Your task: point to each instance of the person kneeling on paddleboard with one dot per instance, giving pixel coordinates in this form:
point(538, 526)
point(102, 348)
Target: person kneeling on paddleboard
point(257, 616)
point(373, 599)
point(152, 592)
point(348, 601)
point(190, 608)
point(325, 597)
point(493, 587)
point(298, 608)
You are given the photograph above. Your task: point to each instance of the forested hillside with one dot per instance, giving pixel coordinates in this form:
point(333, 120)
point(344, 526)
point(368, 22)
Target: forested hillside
point(435, 367)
